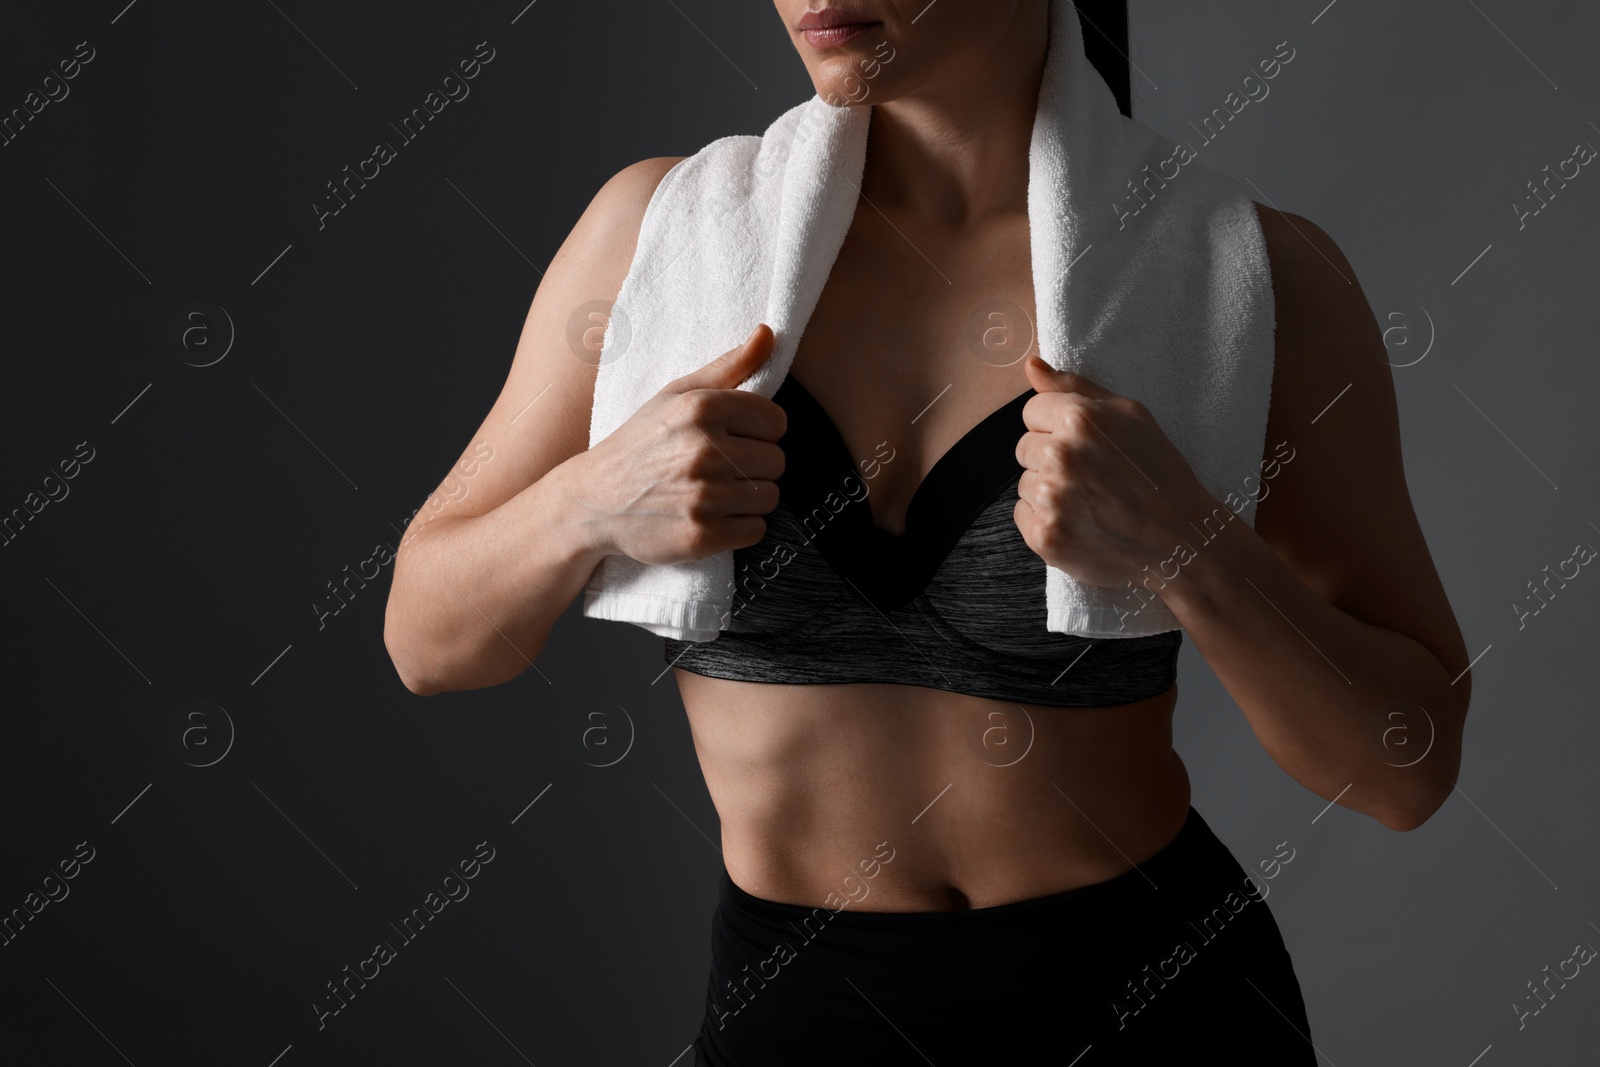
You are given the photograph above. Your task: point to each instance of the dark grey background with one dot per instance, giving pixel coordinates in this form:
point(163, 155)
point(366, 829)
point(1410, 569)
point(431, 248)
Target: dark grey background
point(185, 562)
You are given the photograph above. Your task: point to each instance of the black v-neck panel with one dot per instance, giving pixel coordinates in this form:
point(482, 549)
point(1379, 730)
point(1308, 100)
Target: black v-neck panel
point(828, 496)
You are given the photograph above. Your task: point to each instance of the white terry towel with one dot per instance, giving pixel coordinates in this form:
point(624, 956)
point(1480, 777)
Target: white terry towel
point(1150, 276)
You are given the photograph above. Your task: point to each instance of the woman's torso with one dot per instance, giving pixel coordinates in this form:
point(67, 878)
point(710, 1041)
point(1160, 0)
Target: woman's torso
point(816, 785)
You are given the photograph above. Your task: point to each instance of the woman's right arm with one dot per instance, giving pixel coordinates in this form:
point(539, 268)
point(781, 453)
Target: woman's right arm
point(512, 535)
point(494, 556)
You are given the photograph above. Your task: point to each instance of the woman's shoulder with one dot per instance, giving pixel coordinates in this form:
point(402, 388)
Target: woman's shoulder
point(641, 177)
point(1294, 241)
point(601, 244)
point(622, 200)
point(1314, 286)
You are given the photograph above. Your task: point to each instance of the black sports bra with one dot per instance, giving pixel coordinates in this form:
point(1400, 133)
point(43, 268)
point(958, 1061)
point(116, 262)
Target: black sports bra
point(955, 603)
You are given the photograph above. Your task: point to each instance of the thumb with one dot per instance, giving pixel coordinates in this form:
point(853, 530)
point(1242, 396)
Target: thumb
point(1045, 378)
point(732, 367)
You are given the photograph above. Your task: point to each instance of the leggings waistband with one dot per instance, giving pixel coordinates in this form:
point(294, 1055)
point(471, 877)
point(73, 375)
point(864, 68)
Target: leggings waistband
point(1140, 967)
point(1193, 861)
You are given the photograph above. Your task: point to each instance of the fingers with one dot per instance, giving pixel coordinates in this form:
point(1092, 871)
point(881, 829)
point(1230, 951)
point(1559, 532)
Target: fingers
point(1046, 378)
point(738, 412)
point(1061, 412)
point(745, 459)
point(738, 492)
point(740, 531)
point(1036, 452)
point(742, 499)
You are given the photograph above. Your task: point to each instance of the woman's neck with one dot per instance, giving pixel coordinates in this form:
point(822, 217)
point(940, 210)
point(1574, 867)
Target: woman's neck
point(956, 150)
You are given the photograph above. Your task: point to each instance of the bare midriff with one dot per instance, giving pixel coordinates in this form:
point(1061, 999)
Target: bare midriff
point(899, 798)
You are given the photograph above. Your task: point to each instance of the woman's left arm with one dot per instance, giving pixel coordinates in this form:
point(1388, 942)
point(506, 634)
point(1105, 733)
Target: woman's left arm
point(1326, 621)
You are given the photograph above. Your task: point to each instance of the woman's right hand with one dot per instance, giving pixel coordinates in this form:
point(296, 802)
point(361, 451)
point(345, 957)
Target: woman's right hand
point(692, 472)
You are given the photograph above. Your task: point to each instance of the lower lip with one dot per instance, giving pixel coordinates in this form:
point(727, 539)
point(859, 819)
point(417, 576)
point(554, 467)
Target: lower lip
point(834, 36)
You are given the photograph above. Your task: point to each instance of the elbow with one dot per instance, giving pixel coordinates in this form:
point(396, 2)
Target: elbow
point(428, 665)
point(1404, 812)
point(420, 682)
point(1403, 820)
point(414, 673)
point(417, 650)
point(434, 651)
point(1418, 805)
point(1429, 782)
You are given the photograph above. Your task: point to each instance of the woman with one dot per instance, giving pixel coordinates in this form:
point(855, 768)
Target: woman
point(915, 872)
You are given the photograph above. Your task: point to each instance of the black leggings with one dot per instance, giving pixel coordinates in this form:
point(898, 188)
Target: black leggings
point(1178, 956)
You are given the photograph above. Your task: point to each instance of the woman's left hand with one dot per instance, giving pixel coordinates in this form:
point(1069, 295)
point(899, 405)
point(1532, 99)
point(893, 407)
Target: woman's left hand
point(1104, 492)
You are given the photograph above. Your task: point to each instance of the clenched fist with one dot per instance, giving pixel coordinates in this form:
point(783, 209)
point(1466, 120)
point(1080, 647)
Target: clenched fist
point(692, 472)
point(1104, 491)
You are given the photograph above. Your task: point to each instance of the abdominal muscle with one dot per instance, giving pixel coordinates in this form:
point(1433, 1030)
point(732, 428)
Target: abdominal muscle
point(898, 798)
